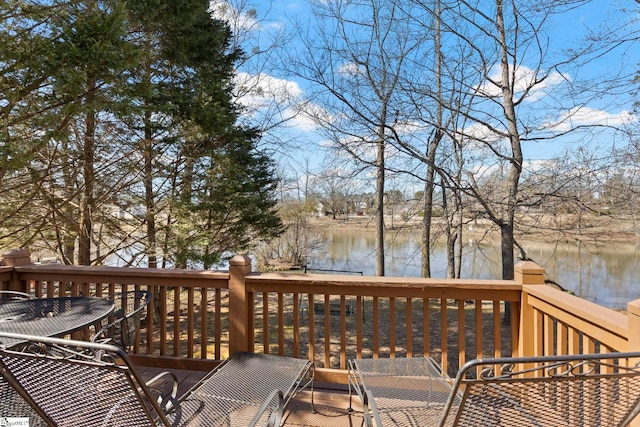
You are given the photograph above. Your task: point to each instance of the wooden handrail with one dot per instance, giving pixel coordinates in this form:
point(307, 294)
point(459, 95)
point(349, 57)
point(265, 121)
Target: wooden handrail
point(566, 324)
point(207, 315)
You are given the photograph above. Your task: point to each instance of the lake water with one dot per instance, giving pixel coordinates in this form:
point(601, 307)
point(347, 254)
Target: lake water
point(608, 274)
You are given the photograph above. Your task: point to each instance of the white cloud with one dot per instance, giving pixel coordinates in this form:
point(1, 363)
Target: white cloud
point(350, 69)
point(478, 134)
point(264, 94)
point(254, 90)
point(476, 131)
point(302, 121)
point(539, 165)
point(524, 77)
point(585, 116)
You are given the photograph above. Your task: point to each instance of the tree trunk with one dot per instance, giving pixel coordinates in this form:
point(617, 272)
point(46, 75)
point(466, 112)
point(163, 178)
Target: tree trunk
point(86, 201)
point(451, 239)
point(515, 170)
point(506, 227)
point(149, 196)
point(431, 156)
point(380, 176)
point(428, 214)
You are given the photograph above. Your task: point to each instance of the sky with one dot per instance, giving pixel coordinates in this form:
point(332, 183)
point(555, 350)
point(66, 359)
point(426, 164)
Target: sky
point(304, 149)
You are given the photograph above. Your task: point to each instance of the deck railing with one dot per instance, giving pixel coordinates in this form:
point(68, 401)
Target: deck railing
point(200, 317)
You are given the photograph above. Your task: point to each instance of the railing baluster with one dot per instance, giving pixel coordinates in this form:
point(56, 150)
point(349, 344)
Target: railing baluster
point(218, 323)
point(150, 324)
point(409, 328)
point(376, 329)
point(538, 332)
point(514, 320)
point(343, 333)
point(327, 331)
point(478, 320)
point(312, 336)
point(392, 327)
point(444, 335)
point(426, 324)
point(549, 335)
point(461, 334)
point(176, 321)
point(280, 324)
point(359, 316)
point(265, 323)
point(296, 325)
point(497, 330)
point(562, 334)
point(573, 344)
point(190, 321)
point(163, 319)
point(204, 321)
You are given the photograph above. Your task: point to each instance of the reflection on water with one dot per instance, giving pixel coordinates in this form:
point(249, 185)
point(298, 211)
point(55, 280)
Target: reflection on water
point(607, 274)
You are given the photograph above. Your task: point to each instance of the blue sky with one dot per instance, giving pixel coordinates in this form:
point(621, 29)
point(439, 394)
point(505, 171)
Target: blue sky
point(613, 109)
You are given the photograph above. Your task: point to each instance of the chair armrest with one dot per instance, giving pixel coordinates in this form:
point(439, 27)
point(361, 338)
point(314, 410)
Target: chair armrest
point(166, 400)
point(276, 417)
point(101, 335)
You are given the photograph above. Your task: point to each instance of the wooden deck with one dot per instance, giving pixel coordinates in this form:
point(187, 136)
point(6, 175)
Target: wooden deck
point(331, 405)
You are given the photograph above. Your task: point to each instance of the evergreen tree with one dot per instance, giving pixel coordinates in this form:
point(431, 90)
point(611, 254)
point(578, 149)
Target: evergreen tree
point(139, 112)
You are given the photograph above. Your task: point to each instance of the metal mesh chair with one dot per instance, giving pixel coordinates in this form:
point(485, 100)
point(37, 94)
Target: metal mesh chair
point(78, 383)
point(83, 383)
point(121, 328)
point(11, 403)
point(580, 390)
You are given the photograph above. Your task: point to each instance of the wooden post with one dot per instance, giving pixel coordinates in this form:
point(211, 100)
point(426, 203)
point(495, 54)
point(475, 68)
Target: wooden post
point(530, 326)
point(14, 258)
point(529, 273)
point(633, 336)
point(633, 325)
point(239, 267)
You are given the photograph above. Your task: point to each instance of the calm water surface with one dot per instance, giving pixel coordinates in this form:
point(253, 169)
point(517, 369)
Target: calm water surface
point(608, 274)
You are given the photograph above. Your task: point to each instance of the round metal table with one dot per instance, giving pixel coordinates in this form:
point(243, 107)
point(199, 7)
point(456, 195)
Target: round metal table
point(51, 316)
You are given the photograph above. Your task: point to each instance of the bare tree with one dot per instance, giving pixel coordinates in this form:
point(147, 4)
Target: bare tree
point(499, 57)
point(354, 54)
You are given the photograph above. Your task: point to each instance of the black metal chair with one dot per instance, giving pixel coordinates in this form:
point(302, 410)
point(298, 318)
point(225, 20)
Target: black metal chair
point(581, 390)
point(121, 328)
point(92, 384)
point(11, 403)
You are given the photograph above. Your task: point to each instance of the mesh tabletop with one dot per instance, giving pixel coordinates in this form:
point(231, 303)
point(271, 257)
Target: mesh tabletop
point(407, 391)
point(51, 316)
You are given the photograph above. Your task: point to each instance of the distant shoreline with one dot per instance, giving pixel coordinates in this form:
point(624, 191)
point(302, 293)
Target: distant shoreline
point(595, 230)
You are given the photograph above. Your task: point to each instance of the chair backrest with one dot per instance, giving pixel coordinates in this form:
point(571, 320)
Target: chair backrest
point(594, 389)
point(78, 383)
point(11, 403)
point(121, 329)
